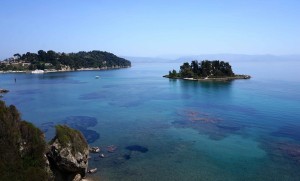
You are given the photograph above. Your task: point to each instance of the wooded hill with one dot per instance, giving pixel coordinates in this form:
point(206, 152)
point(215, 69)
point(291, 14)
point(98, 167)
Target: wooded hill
point(54, 60)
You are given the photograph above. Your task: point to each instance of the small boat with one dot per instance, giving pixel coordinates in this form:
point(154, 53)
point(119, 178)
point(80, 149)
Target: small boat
point(97, 77)
point(37, 71)
point(94, 170)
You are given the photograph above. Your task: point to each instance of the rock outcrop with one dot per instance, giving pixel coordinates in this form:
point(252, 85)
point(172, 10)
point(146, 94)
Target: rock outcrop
point(4, 91)
point(68, 154)
point(26, 156)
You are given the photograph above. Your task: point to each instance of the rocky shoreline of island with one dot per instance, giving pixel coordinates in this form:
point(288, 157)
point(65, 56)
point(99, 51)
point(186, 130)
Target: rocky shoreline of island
point(37, 71)
point(236, 77)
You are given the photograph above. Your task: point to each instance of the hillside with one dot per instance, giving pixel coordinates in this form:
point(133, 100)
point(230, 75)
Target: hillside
point(25, 155)
point(22, 147)
point(52, 60)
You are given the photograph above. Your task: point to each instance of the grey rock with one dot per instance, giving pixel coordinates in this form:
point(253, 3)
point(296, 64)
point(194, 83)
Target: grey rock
point(77, 177)
point(66, 161)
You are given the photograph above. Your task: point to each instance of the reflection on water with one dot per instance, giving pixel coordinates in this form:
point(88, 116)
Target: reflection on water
point(59, 75)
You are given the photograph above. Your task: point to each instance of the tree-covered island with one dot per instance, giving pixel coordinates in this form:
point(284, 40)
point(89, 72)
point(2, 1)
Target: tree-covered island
point(55, 61)
point(205, 70)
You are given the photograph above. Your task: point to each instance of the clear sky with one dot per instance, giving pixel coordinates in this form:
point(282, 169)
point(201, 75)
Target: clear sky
point(151, 28)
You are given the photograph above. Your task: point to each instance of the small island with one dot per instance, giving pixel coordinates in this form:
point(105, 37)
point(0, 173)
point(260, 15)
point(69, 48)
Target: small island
point(51, 61)
point(205, 71)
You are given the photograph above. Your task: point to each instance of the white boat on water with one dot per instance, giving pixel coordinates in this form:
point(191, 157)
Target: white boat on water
point(97, 77)
point(37, 72)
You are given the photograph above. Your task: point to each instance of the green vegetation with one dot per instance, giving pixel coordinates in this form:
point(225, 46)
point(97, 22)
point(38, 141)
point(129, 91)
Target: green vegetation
point(22, 148)
point(52, 60)
point(67, 136)
point(203, 69)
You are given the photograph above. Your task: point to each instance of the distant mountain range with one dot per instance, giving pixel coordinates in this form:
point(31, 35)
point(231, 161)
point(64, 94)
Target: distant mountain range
point(224, 57)
point(146, 59)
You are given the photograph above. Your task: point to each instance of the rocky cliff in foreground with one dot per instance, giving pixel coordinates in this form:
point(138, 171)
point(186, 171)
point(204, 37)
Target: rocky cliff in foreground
point(25, 155)
point(68, 154)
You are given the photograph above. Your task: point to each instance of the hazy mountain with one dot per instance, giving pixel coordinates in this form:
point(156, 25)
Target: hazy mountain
point(240, 57)
point(147, 59)
point(224, 57)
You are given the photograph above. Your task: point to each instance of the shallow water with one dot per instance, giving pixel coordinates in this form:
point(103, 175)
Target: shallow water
point(176, 130)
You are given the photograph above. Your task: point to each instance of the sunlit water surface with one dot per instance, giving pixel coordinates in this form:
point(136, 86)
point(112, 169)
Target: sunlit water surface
point(177, 130)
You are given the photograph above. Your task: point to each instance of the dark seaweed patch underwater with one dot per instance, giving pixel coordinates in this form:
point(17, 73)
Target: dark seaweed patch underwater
point(137, 148)
point(82, 123)
point(292, 132)
point(215, 128)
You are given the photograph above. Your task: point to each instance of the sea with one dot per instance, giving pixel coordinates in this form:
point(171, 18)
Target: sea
point(157, 129)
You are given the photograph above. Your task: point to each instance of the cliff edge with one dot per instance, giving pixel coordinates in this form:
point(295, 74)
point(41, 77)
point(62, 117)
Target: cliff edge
point(68, 154)
point(25, 155)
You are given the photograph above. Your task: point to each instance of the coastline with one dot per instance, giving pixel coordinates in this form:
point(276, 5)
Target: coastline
point(66, 70)
point(236, 77)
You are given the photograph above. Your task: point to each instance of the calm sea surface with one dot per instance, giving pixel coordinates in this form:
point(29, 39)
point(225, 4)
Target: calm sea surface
point(172, 129)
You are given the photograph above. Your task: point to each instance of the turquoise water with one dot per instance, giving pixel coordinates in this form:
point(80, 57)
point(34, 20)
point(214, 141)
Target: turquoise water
point(239, 130)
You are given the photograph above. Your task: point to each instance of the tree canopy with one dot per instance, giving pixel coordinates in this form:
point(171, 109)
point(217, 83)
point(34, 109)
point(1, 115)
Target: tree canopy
point(203, 69)
point(54, 60)
point(22, 147)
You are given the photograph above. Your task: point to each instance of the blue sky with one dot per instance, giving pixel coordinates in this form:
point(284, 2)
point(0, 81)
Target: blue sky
point(151, 28)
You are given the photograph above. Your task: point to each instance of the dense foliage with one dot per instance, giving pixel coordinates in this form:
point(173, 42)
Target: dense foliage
point(203, 69)
point(22, 148)
point(68, 136)
point(53, 60)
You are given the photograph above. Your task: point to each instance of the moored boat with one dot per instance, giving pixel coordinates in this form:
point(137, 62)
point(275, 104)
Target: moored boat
point(37, 71)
